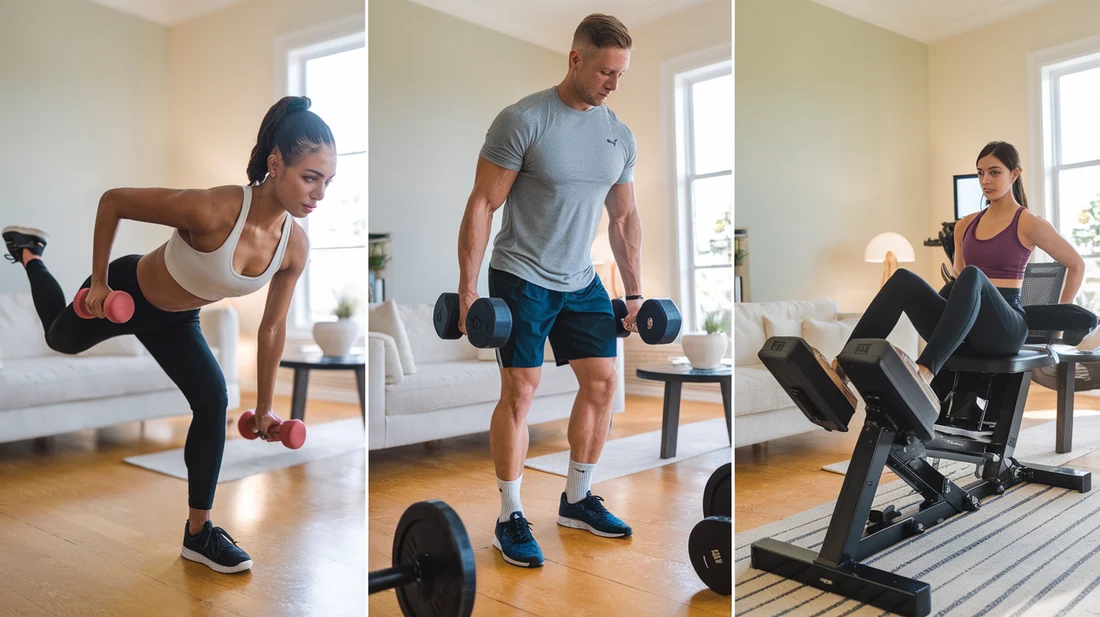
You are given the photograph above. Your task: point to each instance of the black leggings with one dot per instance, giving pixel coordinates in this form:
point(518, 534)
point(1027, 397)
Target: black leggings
point(173, 339)
point(968, 314)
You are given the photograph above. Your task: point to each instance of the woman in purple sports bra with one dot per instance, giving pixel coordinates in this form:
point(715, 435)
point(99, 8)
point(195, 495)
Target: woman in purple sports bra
point(980, 312)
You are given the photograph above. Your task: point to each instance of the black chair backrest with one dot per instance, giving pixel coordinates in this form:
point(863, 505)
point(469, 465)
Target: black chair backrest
point(1042, 285)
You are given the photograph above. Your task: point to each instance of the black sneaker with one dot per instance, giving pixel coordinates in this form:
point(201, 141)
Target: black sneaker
point(18, 238)
point(215, 549)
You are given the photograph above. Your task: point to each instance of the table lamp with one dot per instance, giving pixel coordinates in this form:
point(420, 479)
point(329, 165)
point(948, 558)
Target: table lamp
point(888, 248)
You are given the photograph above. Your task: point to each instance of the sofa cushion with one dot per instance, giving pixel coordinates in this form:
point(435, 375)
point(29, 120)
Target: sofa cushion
point(758, 391)
point(425, 343)
point(441, 385)
point(828, 337)
point(394, 374)
point(385, 318)
point(749, 323)
point(21, 331)
point(58, 379)
point(781, 326)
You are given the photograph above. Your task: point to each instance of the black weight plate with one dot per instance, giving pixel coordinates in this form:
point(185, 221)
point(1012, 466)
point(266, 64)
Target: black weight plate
point(431, 532)
point(659, 321)
point(445, 316)
point(710, 548)
point(717, 496)
point(619, 307)
point(489, 323)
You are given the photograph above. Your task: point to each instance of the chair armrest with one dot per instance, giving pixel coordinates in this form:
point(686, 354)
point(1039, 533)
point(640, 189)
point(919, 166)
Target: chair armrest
point(376, 393)
point(221, 329)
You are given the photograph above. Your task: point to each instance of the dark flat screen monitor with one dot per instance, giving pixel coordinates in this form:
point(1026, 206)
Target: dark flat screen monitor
point(968, 195)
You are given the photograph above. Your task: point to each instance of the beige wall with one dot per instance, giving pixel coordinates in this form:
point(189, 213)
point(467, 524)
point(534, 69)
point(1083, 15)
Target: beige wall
point(430, 105)
point(223, 80)
point(979, 92)
point(639, 103)
point(832, 148)
point(85, 109)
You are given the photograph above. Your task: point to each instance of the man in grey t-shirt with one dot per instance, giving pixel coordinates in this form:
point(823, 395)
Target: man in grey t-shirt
point(557, 158)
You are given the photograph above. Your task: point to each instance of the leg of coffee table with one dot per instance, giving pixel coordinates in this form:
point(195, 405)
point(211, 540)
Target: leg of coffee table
point(360, 379)
point(726, 403)
point(1063, 436)
point(298, 398)
point(670, 419)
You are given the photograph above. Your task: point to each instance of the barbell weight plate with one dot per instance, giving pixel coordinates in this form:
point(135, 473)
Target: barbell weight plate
point(659, 321)
point(710, 548)
point(445, 316)
point(619, 308)
point(431, 532)
point(489, 323)
point(717, 496)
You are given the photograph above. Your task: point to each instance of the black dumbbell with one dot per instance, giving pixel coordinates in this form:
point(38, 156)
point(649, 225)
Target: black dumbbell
point(658, 320)
point(433, 568)
point(710, 545)
point(488, 322)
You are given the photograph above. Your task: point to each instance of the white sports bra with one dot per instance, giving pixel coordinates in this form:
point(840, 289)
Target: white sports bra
point(210, 276)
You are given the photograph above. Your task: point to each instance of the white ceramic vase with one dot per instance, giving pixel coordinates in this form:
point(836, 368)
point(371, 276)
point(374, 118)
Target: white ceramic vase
point(705, 351)
point(336, 338)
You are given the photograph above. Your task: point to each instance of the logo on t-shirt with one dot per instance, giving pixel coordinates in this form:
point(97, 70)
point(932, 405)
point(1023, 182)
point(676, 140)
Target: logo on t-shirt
point(613, 142)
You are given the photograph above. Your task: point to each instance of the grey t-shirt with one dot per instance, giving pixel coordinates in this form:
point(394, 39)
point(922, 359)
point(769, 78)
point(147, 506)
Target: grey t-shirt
point(567, 161)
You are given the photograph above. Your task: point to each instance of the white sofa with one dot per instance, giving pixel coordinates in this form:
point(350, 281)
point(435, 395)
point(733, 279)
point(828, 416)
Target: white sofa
point(762, 409)
point(44, 393)
point(455, 386)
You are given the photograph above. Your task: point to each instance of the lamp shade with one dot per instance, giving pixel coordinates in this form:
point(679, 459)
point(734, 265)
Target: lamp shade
point(888, 242)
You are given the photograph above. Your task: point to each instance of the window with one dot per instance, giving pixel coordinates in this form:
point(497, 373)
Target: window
point(704, 162)
point(1071, 157)
point(328, 73)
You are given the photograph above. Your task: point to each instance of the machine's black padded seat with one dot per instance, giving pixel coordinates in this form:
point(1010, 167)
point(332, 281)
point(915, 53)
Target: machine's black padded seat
point(1027, 359)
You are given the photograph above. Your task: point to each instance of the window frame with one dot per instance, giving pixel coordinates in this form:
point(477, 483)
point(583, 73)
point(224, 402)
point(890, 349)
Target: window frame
point(678, 75)
point(292, 52)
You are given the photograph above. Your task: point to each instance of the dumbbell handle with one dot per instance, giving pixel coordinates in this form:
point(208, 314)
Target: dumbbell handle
point(391, 578)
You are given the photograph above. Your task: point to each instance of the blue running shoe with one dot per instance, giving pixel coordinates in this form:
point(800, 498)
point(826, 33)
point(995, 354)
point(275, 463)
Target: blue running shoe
point(590, 514)
point(515, 542)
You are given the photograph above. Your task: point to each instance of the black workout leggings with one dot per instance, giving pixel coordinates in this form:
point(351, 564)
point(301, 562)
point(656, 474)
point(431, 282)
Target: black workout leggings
point(173, 339)
point(968, 314)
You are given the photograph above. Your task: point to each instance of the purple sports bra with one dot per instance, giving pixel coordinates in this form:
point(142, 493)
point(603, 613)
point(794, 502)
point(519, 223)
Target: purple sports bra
point(1001, 257)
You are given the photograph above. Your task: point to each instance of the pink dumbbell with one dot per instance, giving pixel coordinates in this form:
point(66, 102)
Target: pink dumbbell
point(291, 432)
point(119, 306)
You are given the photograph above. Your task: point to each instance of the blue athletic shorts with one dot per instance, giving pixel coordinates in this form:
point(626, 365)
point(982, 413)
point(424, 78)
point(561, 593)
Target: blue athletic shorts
point(580, 324)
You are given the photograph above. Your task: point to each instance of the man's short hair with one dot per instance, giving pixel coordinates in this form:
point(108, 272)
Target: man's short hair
point(599, 31)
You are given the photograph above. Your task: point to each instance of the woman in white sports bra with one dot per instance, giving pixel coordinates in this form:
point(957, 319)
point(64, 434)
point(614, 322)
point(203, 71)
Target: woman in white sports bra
point(229, 241)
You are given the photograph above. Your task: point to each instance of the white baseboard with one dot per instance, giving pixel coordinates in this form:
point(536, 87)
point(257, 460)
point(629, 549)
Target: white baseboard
point(686, 394)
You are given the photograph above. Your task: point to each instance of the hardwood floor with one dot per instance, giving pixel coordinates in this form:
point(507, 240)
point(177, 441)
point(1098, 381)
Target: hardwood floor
point(84, 534)
point(780, 478)
point(648, 574)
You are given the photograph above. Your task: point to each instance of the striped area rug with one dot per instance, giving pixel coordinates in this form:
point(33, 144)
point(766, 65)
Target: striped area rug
point(1031, 552)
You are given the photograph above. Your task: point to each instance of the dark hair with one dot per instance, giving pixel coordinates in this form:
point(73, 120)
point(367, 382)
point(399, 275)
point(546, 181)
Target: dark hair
point(293, 129)
point(601, 31)
point(1007, 154)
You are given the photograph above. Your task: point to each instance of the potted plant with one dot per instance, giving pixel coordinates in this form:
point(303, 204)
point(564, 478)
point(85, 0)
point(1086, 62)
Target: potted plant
point(335, 338)
point(377, 259)
point(705, 349)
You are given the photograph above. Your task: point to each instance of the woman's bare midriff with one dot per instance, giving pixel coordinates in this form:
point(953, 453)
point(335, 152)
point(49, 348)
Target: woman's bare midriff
point(160, 289)
point(1007, 283)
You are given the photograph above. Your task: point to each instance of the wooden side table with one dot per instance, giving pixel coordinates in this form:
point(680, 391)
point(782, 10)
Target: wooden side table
point(674, 376)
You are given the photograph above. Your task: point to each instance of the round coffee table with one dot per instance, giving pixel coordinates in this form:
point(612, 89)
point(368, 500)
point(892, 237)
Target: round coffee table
point(304, 361)
point(674, 376)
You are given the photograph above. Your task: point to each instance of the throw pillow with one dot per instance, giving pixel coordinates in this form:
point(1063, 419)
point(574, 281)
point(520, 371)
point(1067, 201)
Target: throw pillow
point(781, 326)
point(384, 318)
point(828, 337)
point(394, 372)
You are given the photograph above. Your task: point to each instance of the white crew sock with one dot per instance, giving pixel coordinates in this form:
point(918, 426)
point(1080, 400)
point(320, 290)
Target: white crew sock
point(579, 481)
point(509, 498)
